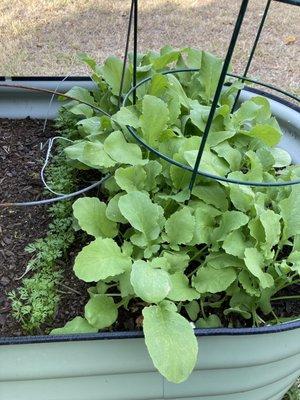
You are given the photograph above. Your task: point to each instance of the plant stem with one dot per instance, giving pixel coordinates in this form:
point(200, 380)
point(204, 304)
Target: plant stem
point(202, 308)
point(286, 298)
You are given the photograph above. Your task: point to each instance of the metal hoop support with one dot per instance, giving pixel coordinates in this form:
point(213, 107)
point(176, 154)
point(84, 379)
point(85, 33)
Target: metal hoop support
point(187, 167)
point(195, 170)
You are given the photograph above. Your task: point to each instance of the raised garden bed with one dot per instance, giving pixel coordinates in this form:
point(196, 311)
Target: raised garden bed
point(247, 362)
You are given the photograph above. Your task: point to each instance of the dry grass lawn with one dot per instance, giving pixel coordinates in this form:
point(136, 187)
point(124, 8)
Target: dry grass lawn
point(42, 37)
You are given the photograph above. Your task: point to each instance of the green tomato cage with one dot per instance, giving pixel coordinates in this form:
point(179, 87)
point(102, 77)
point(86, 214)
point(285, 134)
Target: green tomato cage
point(131, 96)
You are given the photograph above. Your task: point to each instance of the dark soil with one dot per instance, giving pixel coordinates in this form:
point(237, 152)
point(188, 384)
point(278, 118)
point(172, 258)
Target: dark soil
point(21, 159)
point(20, 163)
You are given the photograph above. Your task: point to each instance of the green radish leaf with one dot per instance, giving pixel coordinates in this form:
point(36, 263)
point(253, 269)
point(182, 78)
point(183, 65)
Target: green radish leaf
point(150, 284)
point(171, 342)
point(231, 221)
point(271, 224)
point(212, 321)
point(254, 262)
point(242, 197)
point(99, 260)
point(82, 109)
point(154, 119)
point(282, 157)
point(121, 151)
point(101, 311)
point(180, 288)
point(268, 133)
point(290, 213)
point(294, 258)
point(180, 227)
point(76, 325)
point(209, 74)
point(81, 94)
point(142, 214)
point(235, 243)
point(212, 194)
point(193, 309)
point(127, 116)
point(131, 179)
point(211, 280)
point(113, 212)
point(95, 156)
point(112, 74)
point(90, 213)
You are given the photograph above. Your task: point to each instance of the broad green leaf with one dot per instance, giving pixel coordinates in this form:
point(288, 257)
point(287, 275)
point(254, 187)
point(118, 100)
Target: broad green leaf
point(82, 109)
point(235, 243)
point(90, 213)
point(125, 285)
point(230, 154)
point(176, 261)
point(205, 219)
point(180, 288)
point(211, 280)
point(131, 179)
point(94, 155)
point(101, 311)
point(214, 138)
point(247, 281)
point(193, 309)
point(153, 169)
point(294, 258)
point(257, 230)
point(75, 151)
point(212, 321)
point(112, 73)
point(158, 85)
point(91, 126)
point(150, 284)
point(142, 214)
point(171, 342)
point(210, 162)
point(81, 94)
point(165, 59)
point(212, 194)
point(220, 260)
point(282, 157)
point(194, 57)
point(231, 220)
point(176, 90)
point(113, 212)
point(99, 260)
point(242, 197)
point(127, 116)
point(269, 134)
point(154, 119)
point(76, 325)
point(209, 74)
point(254, 261)
point(271, 224)
point(121, 151)
point(290, 213)
point(180, 227)
point(248, 111)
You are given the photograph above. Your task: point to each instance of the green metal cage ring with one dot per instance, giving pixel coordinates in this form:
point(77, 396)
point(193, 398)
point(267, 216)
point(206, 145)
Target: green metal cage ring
point(133, 132)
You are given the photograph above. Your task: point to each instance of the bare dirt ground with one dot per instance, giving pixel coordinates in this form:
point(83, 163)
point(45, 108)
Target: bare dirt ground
point(42, 37)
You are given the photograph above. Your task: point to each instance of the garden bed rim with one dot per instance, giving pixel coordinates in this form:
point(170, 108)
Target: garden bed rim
point(284, 327)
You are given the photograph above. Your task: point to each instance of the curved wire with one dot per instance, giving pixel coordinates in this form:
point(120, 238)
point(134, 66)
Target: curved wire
point(59, 198)
point(46, 162)
point(40, 90)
